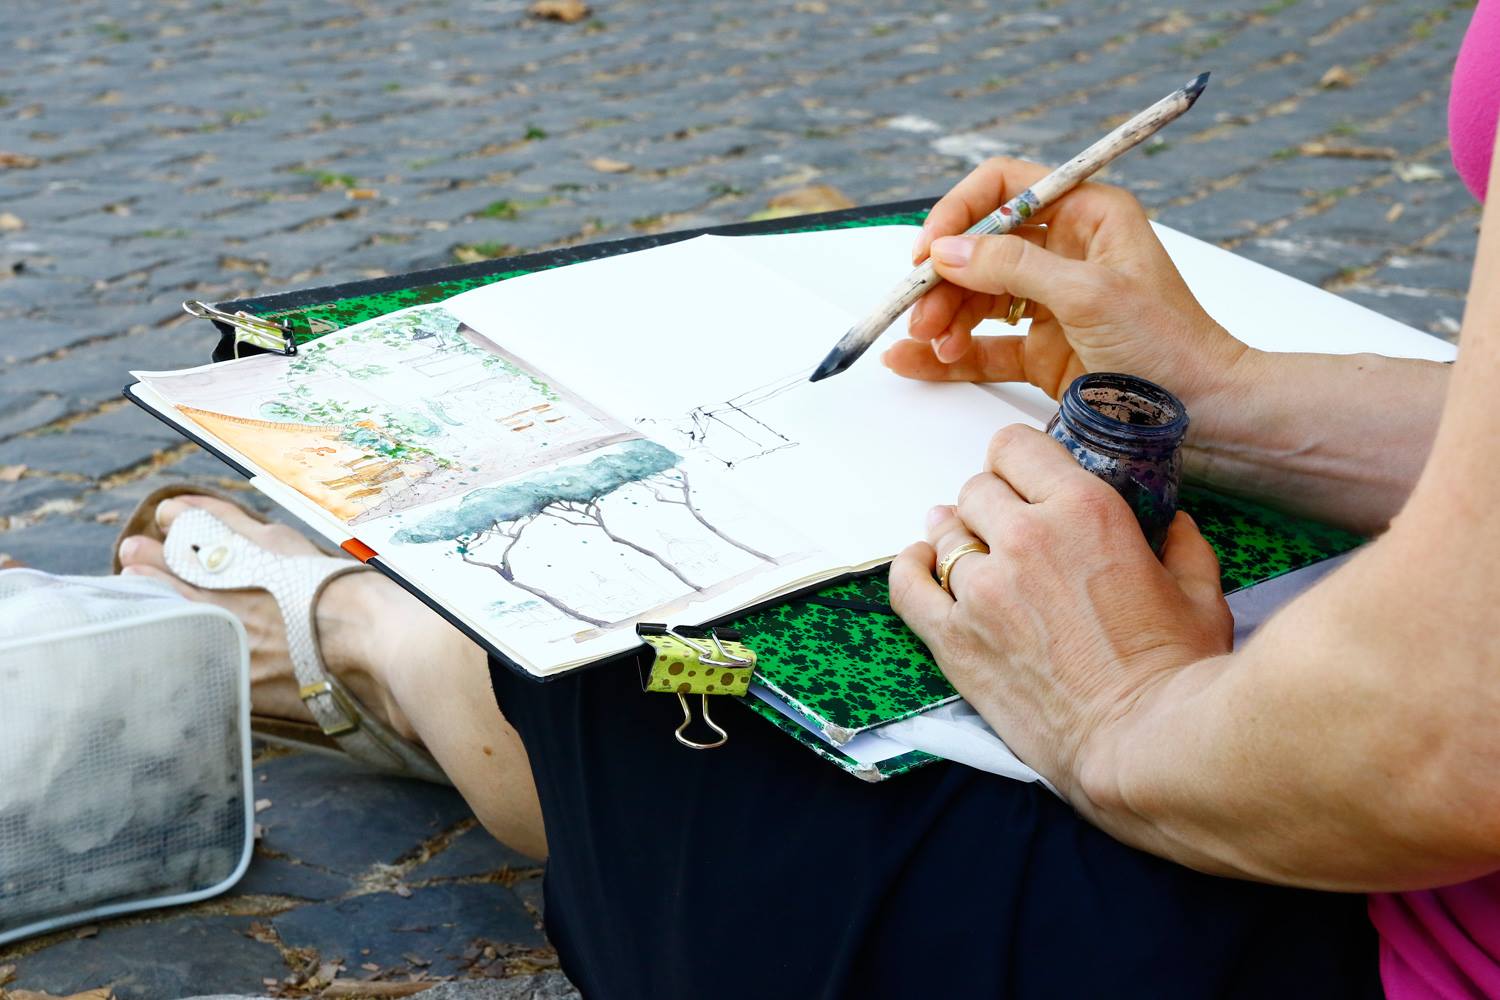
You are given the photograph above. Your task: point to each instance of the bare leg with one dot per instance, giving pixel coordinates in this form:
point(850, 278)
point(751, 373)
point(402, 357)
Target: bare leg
point(401, 660)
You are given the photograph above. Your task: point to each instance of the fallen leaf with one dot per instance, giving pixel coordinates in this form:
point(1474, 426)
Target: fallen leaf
point(1348, 152)
point(567, 11)
point(10, 223)
point(116, 208)
point(369, 966)
point(804, 200)
point(7, 973)
point(101, 993)
point(107, 517)
point(261, 805)
point(605, 165)
point(1415, 173)
point(92, 930)
point(1337, 76)
point(361, 194)
point(20, 161)
point(10, 473)
point(1395, 212)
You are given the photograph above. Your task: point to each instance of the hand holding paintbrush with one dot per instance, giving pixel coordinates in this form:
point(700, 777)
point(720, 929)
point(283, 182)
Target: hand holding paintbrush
point(1011, 215)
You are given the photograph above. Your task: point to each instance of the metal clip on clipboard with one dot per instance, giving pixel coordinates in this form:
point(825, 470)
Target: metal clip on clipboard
point(265, 334)
point(701, 661)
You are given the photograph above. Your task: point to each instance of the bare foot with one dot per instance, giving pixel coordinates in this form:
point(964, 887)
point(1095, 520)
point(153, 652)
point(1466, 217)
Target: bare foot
point(345, 612)
point(406, 665)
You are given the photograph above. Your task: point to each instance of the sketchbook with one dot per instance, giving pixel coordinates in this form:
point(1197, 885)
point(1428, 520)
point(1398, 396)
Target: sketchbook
point(560, 456)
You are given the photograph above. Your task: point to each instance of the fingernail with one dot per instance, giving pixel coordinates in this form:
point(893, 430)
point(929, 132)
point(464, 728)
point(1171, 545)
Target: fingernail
point(919, 245)
point(937, 347)
point(954, 251)
point(938, 515)
point(885, 356)
point(917, 311)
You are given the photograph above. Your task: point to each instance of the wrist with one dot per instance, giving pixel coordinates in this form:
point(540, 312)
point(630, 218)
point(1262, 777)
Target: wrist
point(1223, 407)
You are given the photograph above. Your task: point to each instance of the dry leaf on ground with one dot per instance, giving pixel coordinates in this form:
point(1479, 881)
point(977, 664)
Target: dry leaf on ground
point(20, 161)
point(567, 11)
point(361, 194)
point(1348, 152)
point(10, 222)
point(1337, 76)
point(605, 165)
point(804, 200)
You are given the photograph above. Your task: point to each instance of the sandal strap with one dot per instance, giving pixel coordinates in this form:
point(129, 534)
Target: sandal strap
point(205, 552)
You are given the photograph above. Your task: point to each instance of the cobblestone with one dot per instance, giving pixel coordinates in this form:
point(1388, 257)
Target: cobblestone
point(187, 149)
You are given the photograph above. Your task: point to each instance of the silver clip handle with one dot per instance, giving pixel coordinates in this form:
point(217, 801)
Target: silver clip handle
point(266, 334)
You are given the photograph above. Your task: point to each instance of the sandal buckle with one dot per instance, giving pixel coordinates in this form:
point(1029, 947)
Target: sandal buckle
point(350, 721)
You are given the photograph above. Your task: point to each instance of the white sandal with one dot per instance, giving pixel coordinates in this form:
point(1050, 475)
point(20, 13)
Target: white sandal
point(203, 551)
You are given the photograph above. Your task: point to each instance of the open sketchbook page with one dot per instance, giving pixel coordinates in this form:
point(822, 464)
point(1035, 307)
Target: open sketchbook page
point(559, 456)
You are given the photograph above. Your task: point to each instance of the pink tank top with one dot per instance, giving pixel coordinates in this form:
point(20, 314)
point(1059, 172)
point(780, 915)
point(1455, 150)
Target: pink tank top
point(1474, 102)
point(1445, 943)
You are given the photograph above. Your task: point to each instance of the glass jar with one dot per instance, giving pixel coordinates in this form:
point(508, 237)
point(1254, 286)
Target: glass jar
point(1128, 432)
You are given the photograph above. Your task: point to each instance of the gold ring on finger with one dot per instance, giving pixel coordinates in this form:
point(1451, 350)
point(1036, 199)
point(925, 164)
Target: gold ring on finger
point(945, 567)
point(1018, 304)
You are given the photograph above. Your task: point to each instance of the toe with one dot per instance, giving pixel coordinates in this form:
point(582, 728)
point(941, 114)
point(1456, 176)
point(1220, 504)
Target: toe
point(139, 550)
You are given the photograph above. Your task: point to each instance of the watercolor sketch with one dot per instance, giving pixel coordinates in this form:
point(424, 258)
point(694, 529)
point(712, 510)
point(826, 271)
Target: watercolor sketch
point(390, 414)
point(599, 540)
point(731, 431)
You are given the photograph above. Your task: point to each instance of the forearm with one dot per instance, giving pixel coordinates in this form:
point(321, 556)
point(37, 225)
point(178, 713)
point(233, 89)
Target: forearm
point(1342, 748)
point(1339, 438)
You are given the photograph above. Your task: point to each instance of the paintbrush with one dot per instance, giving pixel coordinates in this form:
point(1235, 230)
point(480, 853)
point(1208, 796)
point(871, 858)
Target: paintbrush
point(1010, 215)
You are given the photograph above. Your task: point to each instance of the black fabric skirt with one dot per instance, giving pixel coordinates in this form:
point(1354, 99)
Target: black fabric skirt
point(759, 870)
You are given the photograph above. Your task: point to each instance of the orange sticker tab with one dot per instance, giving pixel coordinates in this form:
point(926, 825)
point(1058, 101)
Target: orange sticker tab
point(358, 550)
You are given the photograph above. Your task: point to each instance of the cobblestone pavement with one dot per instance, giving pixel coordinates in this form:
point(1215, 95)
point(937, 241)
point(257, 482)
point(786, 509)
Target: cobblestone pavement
point(154, 151)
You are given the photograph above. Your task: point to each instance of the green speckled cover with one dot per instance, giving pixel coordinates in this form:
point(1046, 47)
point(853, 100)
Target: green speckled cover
point(842, 658)
point(838, 654)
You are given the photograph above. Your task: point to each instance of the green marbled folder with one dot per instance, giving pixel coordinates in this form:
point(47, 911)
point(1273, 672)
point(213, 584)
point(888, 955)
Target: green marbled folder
point(842, 660)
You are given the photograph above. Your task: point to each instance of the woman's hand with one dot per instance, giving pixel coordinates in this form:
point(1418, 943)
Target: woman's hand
point(1104, 294)
point(1069, 619)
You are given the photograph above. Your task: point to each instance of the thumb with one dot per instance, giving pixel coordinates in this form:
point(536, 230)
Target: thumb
point(1191, 561)
point(1001, 264)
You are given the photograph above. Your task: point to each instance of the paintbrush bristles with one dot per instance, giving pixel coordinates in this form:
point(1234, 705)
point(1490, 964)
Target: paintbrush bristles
point(864, 333)
point(1011, 215)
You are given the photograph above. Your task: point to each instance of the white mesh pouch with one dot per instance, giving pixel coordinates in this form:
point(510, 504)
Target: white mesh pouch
point(124, 749)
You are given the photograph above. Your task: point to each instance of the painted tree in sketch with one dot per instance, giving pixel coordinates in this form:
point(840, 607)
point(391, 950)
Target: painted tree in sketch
point(572, 495)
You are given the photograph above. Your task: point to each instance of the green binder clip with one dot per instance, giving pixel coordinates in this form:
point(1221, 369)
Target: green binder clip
point(701, 661)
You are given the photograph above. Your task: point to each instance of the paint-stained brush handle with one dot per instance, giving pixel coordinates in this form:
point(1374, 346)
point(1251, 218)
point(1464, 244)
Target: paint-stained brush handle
point(1010, 215)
